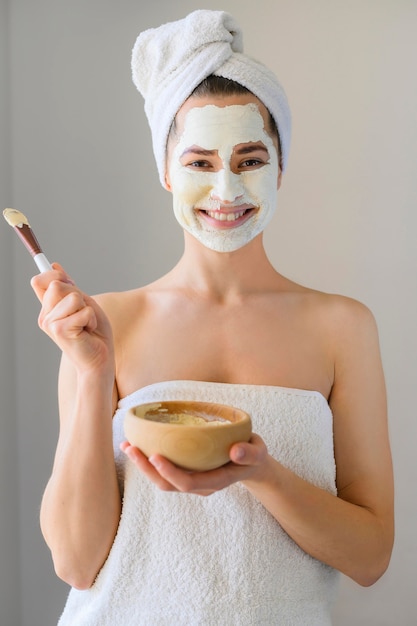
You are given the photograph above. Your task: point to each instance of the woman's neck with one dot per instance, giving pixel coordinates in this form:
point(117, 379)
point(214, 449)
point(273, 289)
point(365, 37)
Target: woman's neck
point(225, 275)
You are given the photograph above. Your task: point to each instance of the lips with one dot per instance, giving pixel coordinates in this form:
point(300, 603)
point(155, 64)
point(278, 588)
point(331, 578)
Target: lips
point(226, 219)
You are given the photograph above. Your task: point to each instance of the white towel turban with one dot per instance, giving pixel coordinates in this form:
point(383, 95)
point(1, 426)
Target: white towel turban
point(170, 61)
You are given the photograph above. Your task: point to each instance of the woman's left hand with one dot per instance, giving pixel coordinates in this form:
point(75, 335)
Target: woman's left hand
point(246, 461)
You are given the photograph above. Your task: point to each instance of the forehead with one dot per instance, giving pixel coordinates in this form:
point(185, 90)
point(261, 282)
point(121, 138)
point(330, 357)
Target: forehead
point(211, 126)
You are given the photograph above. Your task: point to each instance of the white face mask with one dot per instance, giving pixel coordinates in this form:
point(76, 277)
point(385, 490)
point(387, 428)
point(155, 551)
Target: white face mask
point(236, 194)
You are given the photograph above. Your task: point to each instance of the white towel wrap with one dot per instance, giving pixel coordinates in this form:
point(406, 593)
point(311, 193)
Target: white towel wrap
point(222, 560)
point(170, 61)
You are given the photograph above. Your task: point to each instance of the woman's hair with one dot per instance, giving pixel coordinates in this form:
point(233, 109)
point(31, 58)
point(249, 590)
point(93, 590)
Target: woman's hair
point(220, 86)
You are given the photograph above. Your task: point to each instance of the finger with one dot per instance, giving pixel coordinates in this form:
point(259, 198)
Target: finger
point(41, 282)
point(59, 303)
point(66, 299)
point(199, 483)
point(58, 267)
point(68, 318)
point(142, 463)
point(72, 326)
point(55, 291)
point(250, 453)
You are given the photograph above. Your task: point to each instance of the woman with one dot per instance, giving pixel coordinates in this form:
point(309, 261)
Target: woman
point(311, 493)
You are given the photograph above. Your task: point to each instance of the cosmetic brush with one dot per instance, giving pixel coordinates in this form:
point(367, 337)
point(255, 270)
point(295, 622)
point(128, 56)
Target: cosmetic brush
point(21, 226)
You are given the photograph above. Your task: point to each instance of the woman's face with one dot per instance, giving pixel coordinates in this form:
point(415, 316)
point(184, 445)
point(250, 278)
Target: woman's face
point(223, 170)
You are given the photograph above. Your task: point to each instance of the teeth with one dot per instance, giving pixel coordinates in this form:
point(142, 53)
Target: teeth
point(225, 217)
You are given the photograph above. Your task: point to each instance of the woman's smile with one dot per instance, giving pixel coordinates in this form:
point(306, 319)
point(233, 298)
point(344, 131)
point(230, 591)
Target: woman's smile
point(230, 218)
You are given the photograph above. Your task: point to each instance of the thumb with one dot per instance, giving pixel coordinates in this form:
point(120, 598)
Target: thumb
point(250, 453)
point(66, 277)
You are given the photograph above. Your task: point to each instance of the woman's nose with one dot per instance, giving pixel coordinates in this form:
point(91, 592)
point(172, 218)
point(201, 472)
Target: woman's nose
point(227, 186)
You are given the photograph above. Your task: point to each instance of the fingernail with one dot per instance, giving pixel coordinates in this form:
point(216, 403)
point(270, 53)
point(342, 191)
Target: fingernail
point(154, 462)
point(240, 454)
point(126, 450)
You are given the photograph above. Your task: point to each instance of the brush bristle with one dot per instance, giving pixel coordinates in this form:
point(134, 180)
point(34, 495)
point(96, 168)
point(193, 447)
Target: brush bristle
point(15, 218)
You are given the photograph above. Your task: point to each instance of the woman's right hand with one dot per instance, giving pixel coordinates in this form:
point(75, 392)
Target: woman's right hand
point(74, 321)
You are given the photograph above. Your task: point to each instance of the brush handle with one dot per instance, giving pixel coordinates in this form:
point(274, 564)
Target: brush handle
point(42, 262)
point(28, 237)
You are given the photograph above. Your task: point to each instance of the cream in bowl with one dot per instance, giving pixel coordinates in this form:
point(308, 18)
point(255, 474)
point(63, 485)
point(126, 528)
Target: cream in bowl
point(193, 435)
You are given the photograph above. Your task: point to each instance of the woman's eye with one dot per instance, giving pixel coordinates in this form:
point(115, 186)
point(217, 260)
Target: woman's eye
point(198, 164)
point(251, 163)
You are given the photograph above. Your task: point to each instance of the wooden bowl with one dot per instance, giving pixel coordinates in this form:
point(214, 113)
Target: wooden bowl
point(193, 435)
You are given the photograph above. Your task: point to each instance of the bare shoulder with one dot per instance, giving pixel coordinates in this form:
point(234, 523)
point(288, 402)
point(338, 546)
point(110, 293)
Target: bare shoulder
point(345, 327)
point(346, 313)
point(353, 343)
point(350, 321)
point(114, 303)
point(340, 314)
point(122, 307)
point(128, 309)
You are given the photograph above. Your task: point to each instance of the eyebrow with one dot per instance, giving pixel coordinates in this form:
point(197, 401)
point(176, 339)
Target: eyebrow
point(246, 149)
point(252, 147)
point(200, 151)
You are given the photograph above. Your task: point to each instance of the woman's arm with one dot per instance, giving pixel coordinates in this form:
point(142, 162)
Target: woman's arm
point(353, 532)
point(81, 505)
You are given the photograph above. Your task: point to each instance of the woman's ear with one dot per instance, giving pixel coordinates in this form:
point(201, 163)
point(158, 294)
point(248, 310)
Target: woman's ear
point(279, 177)
point(167, 183)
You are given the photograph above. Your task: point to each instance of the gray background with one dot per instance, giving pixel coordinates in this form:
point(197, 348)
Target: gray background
point(75, 157)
